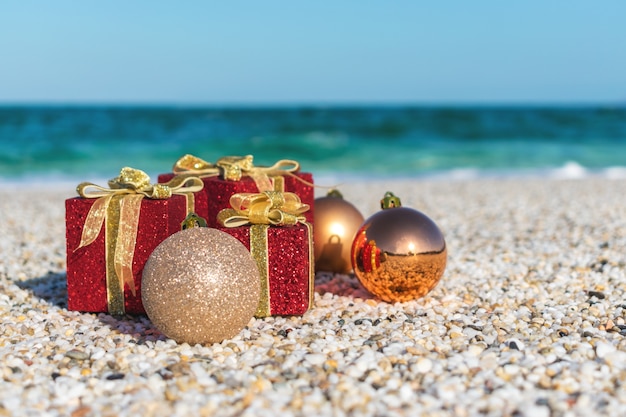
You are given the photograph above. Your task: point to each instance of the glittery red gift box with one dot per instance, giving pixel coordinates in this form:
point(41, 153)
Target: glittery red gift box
point(290, 277)
point(86, 267)
point(219, 192)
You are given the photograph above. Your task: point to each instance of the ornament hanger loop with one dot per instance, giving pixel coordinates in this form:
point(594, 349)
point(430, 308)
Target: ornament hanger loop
point(390, 201)
point(333, 192)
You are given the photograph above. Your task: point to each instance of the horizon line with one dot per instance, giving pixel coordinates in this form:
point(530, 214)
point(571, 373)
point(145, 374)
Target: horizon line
point(311, 103)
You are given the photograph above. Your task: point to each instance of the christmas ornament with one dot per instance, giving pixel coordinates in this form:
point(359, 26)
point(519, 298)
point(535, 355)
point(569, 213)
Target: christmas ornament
point(200, 285)
point(398, 254)
point(335, 224)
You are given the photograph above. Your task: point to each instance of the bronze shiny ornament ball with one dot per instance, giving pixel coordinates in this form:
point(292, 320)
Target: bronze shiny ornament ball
point(399, 254)
point(335, 224)
point(200, 285)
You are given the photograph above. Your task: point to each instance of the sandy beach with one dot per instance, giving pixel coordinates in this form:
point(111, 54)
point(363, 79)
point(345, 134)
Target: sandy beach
point(528, 320)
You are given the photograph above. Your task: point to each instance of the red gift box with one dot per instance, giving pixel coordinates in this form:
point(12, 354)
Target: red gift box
point(97, 280)
point(284, 264)
point(232, 175)
point(272, 226)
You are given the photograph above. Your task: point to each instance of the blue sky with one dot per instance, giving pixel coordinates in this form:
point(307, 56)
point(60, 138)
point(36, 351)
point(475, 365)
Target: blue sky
point(313, 52)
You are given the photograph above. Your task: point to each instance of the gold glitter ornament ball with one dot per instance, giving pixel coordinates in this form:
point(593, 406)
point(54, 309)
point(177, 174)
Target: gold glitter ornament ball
point(200, 285)
point(398, 254)
point(335, 224)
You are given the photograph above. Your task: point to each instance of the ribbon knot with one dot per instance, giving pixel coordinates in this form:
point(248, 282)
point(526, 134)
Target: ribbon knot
point(130, 178)
point(274, 208)
point(120, 205)
point(234, 167)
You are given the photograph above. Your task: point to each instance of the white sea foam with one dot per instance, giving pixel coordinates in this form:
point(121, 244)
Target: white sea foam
point(614, 172)
point(571, 170)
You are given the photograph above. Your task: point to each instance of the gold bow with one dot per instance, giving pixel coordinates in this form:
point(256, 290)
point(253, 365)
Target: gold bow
point(119, 205)
point(233, 168)
point(270, 207)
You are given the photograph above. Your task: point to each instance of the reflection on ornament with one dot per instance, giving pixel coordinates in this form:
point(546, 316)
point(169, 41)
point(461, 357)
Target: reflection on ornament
point(335, 224)
point(200, 285)
point(398, 254)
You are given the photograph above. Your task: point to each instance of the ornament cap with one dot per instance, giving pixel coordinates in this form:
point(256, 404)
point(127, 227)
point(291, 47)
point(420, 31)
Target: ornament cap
point(335, 193)
point(192, 220)
point(390, 201)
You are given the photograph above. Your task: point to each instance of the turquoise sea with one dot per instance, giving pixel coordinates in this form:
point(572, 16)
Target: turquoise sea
point(87, 142)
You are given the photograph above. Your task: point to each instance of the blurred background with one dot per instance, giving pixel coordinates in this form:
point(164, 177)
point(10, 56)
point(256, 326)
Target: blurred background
point(449, 90)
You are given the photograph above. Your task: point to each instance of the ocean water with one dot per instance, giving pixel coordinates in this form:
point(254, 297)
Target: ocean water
point(88, 142)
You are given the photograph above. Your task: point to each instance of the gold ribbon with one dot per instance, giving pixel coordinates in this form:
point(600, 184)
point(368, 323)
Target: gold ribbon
point(274, 208)
point(120, 205)
point(260, 211)
point(233, 168)
point(259, 251)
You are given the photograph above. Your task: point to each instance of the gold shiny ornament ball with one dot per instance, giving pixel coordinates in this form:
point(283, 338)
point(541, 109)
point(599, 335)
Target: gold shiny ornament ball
point(399, 254)
point(200, 285)
point(335, 224)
